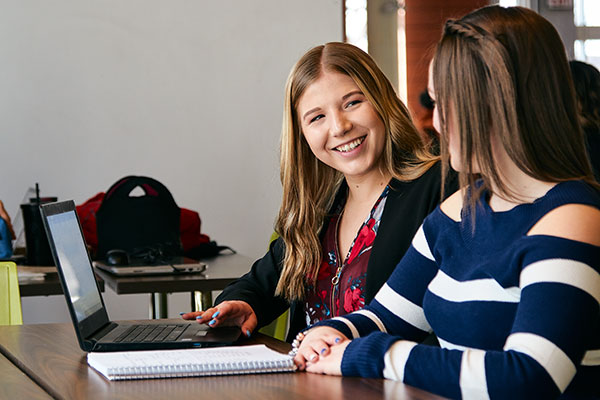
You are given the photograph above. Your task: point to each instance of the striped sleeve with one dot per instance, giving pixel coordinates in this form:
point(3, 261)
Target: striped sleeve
point(397, 306)
point(554, 336)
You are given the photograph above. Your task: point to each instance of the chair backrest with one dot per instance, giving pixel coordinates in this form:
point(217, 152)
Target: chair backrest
point(278, 328)
point(10, 299)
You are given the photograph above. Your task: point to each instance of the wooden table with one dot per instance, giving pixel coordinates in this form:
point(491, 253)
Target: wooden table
point(48, 286)
point(221, 271)
point(50, 358)
point(15, 381)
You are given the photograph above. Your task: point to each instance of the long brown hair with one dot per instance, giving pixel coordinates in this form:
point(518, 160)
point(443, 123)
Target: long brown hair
point(309, 186)
point(504, 72)
point(586, 79)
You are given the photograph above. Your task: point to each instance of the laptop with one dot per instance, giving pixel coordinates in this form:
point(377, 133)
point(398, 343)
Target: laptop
point(95, 331)
point(176, 265)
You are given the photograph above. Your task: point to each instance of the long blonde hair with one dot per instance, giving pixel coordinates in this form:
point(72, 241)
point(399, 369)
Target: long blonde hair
point(309, 186)
point(504, 72)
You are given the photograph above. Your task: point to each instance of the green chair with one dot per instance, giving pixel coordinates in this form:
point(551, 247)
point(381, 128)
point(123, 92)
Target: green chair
point(277, 328)
point(10, 299)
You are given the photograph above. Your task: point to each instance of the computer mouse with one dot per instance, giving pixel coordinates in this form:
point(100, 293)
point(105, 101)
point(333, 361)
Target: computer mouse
point(117, 257)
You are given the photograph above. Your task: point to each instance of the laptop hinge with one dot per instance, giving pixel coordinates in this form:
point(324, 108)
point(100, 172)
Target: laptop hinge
point(100, 333)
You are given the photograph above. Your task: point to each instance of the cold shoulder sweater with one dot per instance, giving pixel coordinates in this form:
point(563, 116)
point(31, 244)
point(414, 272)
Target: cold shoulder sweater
point(517, 315)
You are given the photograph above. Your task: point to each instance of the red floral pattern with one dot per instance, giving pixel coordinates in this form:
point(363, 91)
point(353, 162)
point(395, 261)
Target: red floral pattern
point(353, 299)
point(327, 300)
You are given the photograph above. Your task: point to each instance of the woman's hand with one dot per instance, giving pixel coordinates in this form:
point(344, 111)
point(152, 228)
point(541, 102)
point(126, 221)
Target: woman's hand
point(228, 313)
point(330, 364)
point(317, 343)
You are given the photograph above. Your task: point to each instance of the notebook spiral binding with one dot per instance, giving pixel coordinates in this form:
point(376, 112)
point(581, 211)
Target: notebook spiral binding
point(189, 370)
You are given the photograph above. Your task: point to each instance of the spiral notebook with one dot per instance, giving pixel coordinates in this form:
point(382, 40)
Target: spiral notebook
point(232, 360)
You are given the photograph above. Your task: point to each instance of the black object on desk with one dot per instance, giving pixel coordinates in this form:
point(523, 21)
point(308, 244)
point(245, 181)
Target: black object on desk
point(36, 240)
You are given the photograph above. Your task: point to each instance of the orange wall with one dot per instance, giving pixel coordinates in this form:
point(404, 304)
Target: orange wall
point(424, 20)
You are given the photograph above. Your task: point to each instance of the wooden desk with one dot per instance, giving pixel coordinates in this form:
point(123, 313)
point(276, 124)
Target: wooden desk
point(50, 356)
point(221, 271)
point(46, 287)
point(15, 381)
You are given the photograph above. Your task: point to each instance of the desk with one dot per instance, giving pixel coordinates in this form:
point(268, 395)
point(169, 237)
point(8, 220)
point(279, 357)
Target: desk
point(221, 271)
point(15, 381)
point(46, 287)
point(49, 355)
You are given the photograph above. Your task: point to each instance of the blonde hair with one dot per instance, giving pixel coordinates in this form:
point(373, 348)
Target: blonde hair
point(309, 186)
point(504, 72)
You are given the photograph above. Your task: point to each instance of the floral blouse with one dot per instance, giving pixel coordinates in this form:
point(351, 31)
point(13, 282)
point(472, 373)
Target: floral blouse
point(340, 286)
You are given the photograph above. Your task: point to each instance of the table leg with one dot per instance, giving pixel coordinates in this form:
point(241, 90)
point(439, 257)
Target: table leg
point(158, 305)
point(201, 300)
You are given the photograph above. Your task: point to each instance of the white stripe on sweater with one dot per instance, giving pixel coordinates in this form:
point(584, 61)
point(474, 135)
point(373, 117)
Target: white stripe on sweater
point(402, 308)
point(450, 289)
point(551, 357)
point(569, 272)
point(373, 317)
point(420, 244)
point(395, 360)
point(472, 381)
point(444, 344)
point(349, 324)
point(591, 358)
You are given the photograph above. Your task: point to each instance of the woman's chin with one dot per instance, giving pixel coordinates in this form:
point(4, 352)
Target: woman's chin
point(455, 164)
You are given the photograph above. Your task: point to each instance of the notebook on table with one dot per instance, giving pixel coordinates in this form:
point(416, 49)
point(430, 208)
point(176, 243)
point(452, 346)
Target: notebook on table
point(95, 331)
point(191, 362)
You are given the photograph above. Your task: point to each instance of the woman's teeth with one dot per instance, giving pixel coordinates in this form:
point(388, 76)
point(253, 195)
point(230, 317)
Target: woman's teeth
point(350, 146)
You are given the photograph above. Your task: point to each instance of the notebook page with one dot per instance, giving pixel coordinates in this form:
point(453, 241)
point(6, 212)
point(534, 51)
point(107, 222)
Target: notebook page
point(189, 362)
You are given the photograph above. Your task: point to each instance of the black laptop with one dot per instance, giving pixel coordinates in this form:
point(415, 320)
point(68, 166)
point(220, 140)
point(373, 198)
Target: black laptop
point(95, 331)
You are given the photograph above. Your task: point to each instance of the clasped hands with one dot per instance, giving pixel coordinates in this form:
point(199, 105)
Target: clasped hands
point(320, 351)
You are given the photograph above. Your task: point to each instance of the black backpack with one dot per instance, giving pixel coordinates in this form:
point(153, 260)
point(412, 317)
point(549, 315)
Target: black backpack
point(144, 226)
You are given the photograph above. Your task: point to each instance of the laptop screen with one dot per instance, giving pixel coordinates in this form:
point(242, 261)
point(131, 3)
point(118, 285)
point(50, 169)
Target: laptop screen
point(75, 264)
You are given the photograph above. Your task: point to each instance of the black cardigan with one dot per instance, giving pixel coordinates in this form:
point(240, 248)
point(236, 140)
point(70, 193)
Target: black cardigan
point(407, 205)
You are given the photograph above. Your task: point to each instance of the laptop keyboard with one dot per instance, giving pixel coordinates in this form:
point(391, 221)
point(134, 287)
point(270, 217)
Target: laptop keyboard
point(152, 333)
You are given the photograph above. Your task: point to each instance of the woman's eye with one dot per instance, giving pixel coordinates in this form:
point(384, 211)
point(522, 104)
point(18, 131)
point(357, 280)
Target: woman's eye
point(316, 118)
point(353, 103)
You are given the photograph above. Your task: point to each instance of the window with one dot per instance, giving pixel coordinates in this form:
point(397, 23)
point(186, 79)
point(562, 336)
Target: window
point(587, 22)
point(356, 23)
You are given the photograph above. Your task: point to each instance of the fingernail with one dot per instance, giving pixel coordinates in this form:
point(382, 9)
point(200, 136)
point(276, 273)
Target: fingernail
point(181, 313)
point(212, 322)
point(337, 339)
point(215, 314)
point(312, 357)
point(323, 351)
point(199, 317)
point(248, 332)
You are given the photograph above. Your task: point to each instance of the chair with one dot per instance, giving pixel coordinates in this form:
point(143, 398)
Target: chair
point(10, 299)
point(277, 328)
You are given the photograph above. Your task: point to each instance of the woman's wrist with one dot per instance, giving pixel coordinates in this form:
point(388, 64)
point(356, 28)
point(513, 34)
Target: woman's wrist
point(297, 340)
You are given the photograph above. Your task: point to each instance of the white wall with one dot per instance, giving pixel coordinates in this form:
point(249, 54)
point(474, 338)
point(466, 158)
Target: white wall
point(186, 91)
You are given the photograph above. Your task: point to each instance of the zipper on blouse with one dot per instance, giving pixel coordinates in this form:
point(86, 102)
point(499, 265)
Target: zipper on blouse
point(336, 278)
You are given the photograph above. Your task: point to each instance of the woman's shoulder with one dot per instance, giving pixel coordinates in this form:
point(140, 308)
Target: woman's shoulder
point(452, 206)
point(571, 210)
point(430, 180)
point(578, 222)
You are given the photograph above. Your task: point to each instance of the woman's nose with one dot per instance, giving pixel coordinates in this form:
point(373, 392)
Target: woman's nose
point(340, 125)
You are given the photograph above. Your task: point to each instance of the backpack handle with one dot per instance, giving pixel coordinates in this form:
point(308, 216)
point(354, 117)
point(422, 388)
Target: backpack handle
point(151, 187)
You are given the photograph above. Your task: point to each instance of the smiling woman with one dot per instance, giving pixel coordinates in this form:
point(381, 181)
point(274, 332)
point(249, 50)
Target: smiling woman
point(357, 184)
point(342, 128)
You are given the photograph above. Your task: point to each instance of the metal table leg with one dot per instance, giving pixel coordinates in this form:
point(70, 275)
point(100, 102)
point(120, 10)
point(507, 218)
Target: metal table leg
point(201, 300)
point(158, 305)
